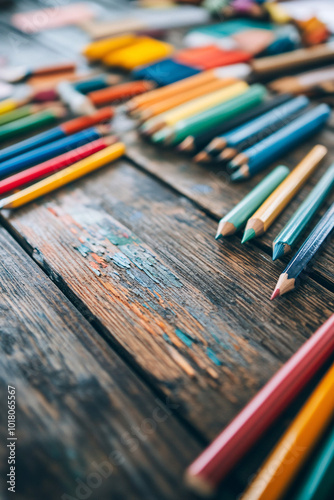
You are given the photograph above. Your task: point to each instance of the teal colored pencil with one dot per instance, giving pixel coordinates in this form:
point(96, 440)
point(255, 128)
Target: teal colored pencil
point(287, 238)
point(319, 483)
point(235, 219)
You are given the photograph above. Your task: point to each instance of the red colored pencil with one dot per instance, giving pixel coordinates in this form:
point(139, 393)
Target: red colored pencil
point(83, 122)
point(48, 167)
point(120, 92)
point(227, 449)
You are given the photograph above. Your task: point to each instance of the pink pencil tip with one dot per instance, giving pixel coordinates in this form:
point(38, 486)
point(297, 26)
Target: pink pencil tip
point(275, 294)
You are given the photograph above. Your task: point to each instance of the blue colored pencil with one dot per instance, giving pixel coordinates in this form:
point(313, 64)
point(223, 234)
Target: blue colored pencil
point(259, 156)
point(248, 134)
point(288, 280)
point(285, 241)
point(48, 151)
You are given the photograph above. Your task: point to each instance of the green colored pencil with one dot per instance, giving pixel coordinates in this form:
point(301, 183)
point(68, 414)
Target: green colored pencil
point(319, 482)
point(287, 238)
point(31, 122)
point(216, 115)
point(235, 219)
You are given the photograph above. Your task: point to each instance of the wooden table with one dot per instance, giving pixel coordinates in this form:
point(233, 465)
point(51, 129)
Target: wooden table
point(131, 336)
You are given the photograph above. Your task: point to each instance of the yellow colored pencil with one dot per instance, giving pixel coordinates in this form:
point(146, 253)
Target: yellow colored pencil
point(65, 176)
point(10, 104)
point(262, 219)
point(193, 107)
point(296, 444)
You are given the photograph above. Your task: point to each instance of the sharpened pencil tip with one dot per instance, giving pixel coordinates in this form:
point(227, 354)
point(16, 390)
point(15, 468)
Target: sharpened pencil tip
point(218, 236)
point(275, 294)
point(202, 157)
point(249, 234)
point(237, 175)
point(278, 251)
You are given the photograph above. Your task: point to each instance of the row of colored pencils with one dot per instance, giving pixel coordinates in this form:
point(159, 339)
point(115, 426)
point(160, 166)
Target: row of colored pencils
point(260, 208)
point(222, 119)
point(312, 426)
point(51, 159)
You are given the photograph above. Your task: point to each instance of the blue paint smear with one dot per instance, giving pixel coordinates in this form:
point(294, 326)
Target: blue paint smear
point(184, 337)
point(212, 356)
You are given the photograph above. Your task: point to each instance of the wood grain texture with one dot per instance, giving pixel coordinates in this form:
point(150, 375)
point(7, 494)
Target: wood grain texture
point(81, 412)
point(210, 188)
point(192, 315)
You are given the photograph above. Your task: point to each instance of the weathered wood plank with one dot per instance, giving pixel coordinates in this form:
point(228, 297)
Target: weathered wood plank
point(210, 187)
point(81, 412)
point(192, 315)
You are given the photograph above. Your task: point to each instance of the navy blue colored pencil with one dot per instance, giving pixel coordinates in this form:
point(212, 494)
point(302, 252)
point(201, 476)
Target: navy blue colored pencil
point(288, 280)
point(48, 151)
point(258, 157)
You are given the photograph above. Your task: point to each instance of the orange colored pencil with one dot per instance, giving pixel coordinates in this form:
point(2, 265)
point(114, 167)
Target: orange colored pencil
point(119, 92)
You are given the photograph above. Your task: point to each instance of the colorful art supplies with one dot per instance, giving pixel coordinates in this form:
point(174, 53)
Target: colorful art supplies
point(258, 157)
point(304, 82)
point(165, 72)
point(183, 97)
point(262, 219)
point(212, 116)
point(208, 138)
point(145, 50)
point(98, 82)
point(78, 104)
point(290, 277)
point(32, 122)
point(11, 103)
point(311, 56)
point(286, 240)
point(210, 56)
point(319, 481)
point(22, 112)
point(52, 149)
point(118, 93)
point(236, 218)
point(65, 176)
point(158, 95)
point(252, 132)
point(50, 166)
point(205, 473)
point(59, 132)
point(193, 107)
point(288, 456)
point(96, 51)
point(18, 73)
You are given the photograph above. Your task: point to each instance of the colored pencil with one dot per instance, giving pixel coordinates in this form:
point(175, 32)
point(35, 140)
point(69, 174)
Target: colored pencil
point(207, 137)
point(288, 456)
point(262, 219)
point(290, 277)
point(258, 157)
point(179, 99)
point(291, 60)
point(11, 103)
point(319, 482)
point(22, 112)
point(252, 132)
point(65, 176)
point(51, 150)
point(95, 51)
point(18, 73)
point(32, 122)
point(193, 107)
point(235, 219)
point(304, 82)
point(160, 94)
point(50, 166)
point(120, 92)
point(95, 83)
point(286, 239)
point(205, 473)
point(213, 116)
point(59, 132)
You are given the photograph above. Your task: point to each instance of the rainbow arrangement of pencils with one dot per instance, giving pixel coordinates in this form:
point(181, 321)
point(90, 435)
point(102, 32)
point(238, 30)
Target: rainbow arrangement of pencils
point(205, 473)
